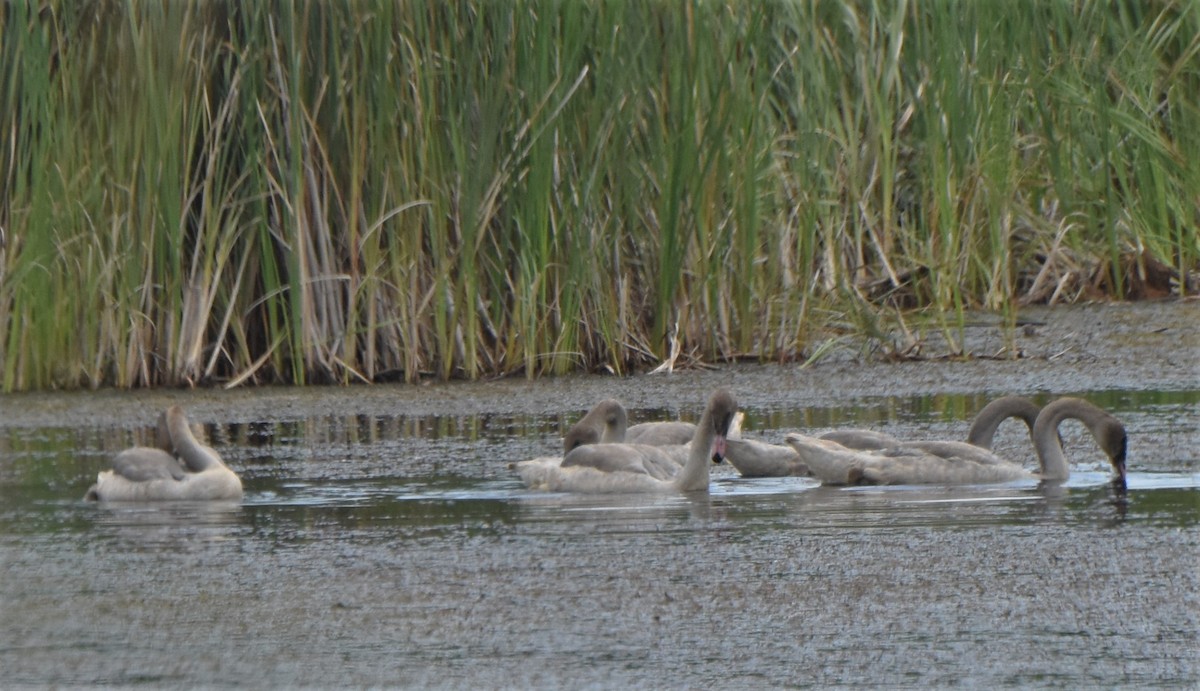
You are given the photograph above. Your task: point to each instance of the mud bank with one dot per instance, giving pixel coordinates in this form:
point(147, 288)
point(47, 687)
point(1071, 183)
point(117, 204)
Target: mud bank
point(1068, 349)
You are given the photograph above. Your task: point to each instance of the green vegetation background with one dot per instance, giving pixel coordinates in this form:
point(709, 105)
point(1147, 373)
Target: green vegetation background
point(228, 192)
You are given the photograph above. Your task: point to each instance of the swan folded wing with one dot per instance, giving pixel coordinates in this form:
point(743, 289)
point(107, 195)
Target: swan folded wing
point(834, 464)
point(912, 465)
point(142, 464)
point(639, 459)
point(904, 464)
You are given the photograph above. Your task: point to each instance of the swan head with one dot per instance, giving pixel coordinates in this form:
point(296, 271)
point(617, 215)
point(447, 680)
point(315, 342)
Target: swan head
point(604, 422)
point(1115, 443)
point(580, 436)
point(722, 407)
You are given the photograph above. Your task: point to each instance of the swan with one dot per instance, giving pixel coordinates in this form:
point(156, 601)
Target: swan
point(153, 474)
point(760, 459)
point(948, 462)
point(638, 467)
point(606, 423)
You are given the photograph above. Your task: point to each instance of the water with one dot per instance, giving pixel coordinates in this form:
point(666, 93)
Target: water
point(399, 550)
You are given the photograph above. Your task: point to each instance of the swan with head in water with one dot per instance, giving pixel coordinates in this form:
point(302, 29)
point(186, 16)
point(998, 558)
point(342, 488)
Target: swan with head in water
point(153, 474)
point(638, 467)
point(606, 423)
point(758, 459)
point(946, 462)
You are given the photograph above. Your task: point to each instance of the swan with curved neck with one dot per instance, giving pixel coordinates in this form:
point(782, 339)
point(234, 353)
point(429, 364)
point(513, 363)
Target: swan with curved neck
point(153, 474)
point(948, 462)
point(759, 459)
point(606, 423)
point(638, 467)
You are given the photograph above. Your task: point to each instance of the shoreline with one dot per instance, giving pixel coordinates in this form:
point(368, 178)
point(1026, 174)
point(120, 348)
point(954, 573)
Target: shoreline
point(1067, 349)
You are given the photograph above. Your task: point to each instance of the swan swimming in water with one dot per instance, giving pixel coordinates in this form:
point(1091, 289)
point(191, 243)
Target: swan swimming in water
point(947, 462)
point(606, 423)
point(153, 474)
point(759, 459)
point(638, 467)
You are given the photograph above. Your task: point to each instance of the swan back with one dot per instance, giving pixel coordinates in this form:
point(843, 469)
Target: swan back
point(912, 463)
point(670, 433)
point(860, 438)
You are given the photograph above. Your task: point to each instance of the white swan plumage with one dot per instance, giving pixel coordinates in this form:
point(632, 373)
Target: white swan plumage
point(620, 467)
point(949, 462)
point(154, 474)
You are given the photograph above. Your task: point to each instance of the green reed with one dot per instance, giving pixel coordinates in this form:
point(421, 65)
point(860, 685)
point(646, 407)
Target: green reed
point(337, 192)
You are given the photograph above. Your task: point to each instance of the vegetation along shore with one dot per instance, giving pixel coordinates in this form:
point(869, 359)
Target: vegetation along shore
point(306, 192)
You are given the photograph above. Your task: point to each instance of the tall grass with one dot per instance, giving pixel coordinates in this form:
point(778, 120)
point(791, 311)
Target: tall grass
point(335, 192)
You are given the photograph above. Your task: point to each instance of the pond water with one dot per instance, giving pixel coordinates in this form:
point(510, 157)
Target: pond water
point(398, 549)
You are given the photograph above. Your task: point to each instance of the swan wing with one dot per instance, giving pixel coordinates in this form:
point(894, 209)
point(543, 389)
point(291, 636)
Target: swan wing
point(142, 464)
point(941, 463)
point(638, 459)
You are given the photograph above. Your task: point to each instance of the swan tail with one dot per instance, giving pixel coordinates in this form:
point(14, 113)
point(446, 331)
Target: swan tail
point(735, 427)
point(96, 491)
point(536, 473)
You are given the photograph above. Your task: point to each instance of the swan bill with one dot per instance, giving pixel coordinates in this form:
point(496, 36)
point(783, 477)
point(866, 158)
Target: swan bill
point(718, 449)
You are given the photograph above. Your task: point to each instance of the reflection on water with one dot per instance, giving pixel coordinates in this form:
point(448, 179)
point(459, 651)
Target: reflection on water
point(402, 551)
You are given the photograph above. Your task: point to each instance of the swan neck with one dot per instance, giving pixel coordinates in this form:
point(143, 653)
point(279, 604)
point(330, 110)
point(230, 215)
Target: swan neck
point(162, 434)
point(694, 475)
point(615, 433)
point(1050, 455)
point(195, 455)
point(983, 429)
point(1046, 440)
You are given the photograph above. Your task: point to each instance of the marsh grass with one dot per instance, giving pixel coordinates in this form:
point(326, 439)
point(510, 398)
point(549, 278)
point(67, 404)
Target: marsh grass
point(339, 192)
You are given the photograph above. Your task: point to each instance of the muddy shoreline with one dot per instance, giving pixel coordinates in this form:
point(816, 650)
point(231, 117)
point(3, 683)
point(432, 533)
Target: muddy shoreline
point(1065, 350)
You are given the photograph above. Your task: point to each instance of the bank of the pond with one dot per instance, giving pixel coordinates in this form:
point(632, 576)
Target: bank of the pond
point(1064, 349)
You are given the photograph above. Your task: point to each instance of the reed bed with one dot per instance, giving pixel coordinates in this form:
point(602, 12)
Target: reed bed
point(303, 192)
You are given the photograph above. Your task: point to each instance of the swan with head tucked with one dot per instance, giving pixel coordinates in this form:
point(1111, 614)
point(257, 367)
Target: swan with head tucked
point(759, 459)
point(142, 463)
point(638, 467)
point(153, 474)
point(947, 462)
point(606, 423)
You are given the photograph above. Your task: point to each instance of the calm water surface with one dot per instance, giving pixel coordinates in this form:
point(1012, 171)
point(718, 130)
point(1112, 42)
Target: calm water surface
point(401, 551)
